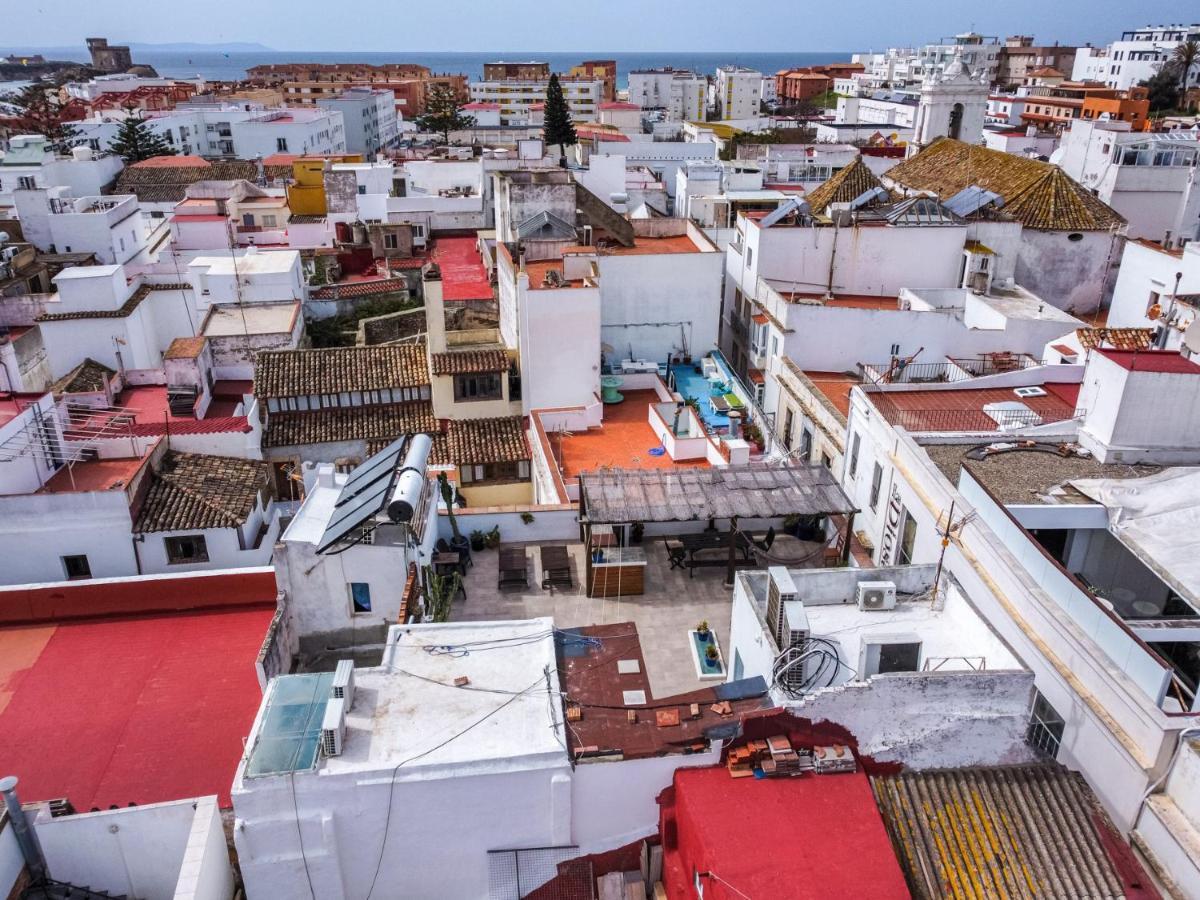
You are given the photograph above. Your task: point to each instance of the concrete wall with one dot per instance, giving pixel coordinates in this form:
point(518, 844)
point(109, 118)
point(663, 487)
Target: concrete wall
point(560, 346)
point(161, 851)
point(1075, 276)
point(37, 530)
point(12, 863)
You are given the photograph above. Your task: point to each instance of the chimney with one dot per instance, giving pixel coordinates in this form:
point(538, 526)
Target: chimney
point(27, 838)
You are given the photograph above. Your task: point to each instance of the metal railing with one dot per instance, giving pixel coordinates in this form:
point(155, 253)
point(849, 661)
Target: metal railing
point(948, 371)
point(967, 420)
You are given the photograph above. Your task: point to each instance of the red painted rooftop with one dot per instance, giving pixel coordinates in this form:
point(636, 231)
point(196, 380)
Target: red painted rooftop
point(146, 707)
point(162, 162)
point(962, 409)
point(815, 836)
point(463, 274)
point(1162, 361)
point(618, 104)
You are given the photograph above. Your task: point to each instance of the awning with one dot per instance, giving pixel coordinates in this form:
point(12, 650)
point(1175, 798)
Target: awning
point(1149, 516)
point(722, 492)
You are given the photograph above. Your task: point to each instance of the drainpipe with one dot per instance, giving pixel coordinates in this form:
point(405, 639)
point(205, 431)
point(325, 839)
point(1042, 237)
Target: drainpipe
point(832, 258)
point(27, 838)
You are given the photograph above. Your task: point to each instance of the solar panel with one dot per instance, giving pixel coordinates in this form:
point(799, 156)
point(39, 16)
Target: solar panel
point(971, 199)
point(355, 512)
point(364, 475)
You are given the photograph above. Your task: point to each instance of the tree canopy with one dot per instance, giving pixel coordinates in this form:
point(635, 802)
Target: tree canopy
point(135, 141)
point(557, 125)
point(443, 112)
point(39, 111)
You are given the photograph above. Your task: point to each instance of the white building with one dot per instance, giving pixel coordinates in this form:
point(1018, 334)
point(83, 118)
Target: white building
point(112, 227)
point(953, 104)
point(854, 645)
point(122, 83)
point(681, 94)
point(518, 98)
point(663, 158)
point(886, 110)
point(332, 805)
point(1150, 179)
point(1158, 289)
point(906, 66)
point(1136, 57)
point(368, 117)
point(246, 276)
point(242, 131)
point(738, 92)
point(1069, 556)
point(29, 164)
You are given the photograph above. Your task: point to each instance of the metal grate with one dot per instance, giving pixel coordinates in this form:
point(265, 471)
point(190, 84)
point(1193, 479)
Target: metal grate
point(513, 874)
point(1045, 729)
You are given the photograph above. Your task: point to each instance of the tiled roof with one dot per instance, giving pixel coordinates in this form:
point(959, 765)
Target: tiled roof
point(487, 440)
point(195, 491)
point(1117, 338)
point(1007, 831)
point(134, 301)
point(334, 370)
point(380, 422)
point(169, 183)
point(464, 361)
point(438, 454)
point(1037, 194)
point(845, 185)
point(86, 378)
point(360, 289)
point(185, 348)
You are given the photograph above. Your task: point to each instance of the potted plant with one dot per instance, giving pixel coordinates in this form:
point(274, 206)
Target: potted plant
point(478, 540)
point(459, 542)
point(712, 654)
point(527, 518)
point(636, 531)
point(440, 591)
point(492, 538)
point(702, 630)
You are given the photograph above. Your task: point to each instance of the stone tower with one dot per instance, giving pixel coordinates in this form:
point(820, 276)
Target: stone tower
point(953, 104)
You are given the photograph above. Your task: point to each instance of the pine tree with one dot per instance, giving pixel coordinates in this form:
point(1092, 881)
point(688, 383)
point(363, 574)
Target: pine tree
point(135, 141)
point(443, 112)
point(40, 112)
point(557, 126)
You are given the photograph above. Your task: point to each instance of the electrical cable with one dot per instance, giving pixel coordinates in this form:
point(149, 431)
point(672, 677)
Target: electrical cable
point(395, 771)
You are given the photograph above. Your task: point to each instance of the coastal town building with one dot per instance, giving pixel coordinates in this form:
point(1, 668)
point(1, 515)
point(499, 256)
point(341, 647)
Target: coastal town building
point(1136, 57)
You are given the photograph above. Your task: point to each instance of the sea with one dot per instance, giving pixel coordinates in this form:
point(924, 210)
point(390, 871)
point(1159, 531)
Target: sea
point(214, 65)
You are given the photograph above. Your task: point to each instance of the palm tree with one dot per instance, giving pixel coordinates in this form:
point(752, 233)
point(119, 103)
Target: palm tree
point(1185, 56)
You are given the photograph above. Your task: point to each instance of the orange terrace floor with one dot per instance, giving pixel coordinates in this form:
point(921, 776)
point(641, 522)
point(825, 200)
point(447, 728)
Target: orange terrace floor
point(623, 441)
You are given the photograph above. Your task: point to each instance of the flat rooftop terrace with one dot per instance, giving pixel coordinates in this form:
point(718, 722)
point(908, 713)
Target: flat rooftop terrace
point(93, 475)
point(139, 709)
point(623, 441)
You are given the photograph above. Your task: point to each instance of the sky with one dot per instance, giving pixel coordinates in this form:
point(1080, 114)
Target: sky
point(592, 25)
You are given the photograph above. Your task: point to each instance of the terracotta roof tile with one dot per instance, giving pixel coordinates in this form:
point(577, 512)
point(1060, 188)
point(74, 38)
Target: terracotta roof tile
point(1117, 338)
point(487, 440)
point(380, 422)
point(134, 301)
point(166, 183)
point(334, 370)
point(1037, 194)
point(193, 491)
point(845, 185)
point(86, 378)
point(462, 362)
point(360, 288)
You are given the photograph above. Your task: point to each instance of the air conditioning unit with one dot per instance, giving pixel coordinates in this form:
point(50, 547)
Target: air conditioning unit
point(1030, 392)
point(780, 591)
point(343, 682)
point(333, 727)
point(876, 595)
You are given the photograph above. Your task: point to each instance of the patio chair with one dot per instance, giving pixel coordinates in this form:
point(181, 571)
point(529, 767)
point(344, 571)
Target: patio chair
point(513, 570)
point(556, 567)
point(676, 553)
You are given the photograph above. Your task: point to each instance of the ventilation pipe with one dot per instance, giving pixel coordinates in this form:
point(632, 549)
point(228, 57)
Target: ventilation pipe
point(410, 481)
point(27, 838)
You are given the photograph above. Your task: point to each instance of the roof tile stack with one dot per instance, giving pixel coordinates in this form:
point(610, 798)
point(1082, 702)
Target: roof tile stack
point(192, 491)
point(487, 440)
point(465, 362)
point(336, 370)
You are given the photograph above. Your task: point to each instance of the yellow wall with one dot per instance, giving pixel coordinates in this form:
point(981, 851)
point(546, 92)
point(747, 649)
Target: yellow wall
point(306, 193)
point(516, 493)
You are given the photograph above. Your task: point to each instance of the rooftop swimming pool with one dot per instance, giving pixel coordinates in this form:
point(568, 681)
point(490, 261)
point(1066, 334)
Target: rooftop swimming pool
point(714, 392)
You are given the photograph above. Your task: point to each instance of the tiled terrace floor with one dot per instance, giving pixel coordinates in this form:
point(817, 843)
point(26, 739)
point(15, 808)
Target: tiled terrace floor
point(673, 604)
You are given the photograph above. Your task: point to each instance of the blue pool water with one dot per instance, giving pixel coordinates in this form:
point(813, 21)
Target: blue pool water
point(691, 383)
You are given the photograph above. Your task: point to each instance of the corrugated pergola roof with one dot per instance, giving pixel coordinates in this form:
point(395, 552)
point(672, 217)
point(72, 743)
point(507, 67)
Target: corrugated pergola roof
point(684, 495)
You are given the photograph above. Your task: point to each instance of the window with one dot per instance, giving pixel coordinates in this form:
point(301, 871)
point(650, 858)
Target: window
point(806, 443)
point(908, 539)
point(882, 658)
point(1155, 296)
point(76, 567)
point(789, 420)
point(854, 445)
point(190, 548)
point(1045, 730)
point(514, 381)
point(281, 145)
point(477, 473)
point(749, 257)
point(360, 597)
point(268, 221)
point(391, 242)
point(826, 461)
point(362, 189)
point(876, 484)
point(480, 386)
point(26, 183)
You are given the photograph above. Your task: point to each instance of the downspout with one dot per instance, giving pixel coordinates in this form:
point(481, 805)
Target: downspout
point(27, 839)
point(832, 258)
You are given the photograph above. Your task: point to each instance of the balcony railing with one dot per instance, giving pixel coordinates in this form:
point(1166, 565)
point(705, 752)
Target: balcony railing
point(948, 371)
point(967, 420)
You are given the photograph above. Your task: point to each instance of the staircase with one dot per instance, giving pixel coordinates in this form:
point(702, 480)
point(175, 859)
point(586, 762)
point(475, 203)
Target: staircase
point(49, 889)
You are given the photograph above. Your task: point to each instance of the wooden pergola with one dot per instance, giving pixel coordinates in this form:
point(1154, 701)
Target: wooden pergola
point(755, 491)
